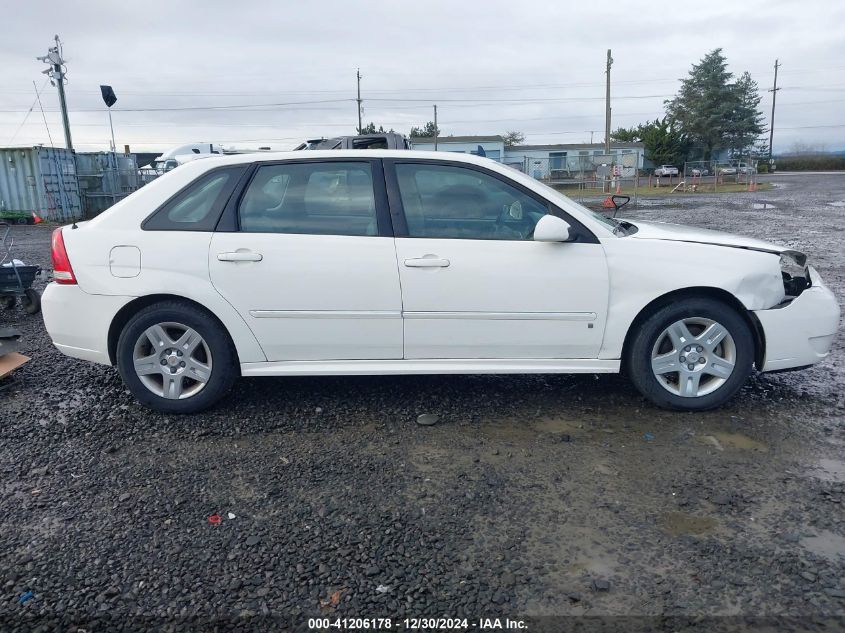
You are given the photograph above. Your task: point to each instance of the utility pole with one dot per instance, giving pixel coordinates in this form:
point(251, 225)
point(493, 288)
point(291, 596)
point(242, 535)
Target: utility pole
point(607, 115)
point(607, 106)
point(435, 127)
point(57, 78)
point(360, 124)
point(774, 90)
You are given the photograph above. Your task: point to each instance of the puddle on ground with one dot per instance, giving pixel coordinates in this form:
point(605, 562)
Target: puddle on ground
point(678, 523)
point(826, 544)
point(838, 203)
point(829, 470)
point(763, 205)
point(735, 441)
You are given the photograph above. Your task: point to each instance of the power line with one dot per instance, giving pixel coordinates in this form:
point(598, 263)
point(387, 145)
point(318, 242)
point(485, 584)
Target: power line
point(38, 98)
point(28, 112)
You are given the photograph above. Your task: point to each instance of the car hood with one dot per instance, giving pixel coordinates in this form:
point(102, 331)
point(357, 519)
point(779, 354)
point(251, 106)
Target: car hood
point(681, 233)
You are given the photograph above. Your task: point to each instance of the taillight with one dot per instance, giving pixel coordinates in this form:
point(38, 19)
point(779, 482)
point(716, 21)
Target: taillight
point(62, 270)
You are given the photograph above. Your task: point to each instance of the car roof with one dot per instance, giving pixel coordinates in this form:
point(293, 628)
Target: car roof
point(252, 157)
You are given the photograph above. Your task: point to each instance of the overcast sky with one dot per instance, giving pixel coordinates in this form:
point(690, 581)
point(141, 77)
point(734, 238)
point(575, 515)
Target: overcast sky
point(491, 66)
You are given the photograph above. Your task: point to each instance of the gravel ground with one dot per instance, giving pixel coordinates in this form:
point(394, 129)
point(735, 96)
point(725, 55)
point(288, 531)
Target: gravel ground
point(531, 496)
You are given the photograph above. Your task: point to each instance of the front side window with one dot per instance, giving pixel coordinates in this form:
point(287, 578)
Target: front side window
point(332, 198)
point(198, 206)
point(445, 201)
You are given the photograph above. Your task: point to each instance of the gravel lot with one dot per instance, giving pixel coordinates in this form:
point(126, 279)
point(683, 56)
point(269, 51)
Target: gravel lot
point(526, 495)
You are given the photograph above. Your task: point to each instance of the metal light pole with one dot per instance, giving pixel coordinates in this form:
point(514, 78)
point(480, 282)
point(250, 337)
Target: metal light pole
point(109, 98)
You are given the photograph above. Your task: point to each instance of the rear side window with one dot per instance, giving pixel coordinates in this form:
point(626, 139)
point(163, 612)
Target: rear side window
point(199, 205)
point(332, 198)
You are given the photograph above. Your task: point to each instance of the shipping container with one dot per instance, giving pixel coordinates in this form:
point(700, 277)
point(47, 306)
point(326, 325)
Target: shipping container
point(40, 180)
point(100, 184)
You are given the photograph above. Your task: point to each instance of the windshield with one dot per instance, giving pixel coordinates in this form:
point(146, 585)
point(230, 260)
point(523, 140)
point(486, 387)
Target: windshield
point(620, 228)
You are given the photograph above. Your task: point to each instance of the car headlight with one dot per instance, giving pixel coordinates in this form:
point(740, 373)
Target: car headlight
point(795, 273)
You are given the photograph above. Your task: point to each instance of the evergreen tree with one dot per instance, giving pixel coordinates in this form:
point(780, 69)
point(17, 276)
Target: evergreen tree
point(428, 130)
point(371, 129)
point(663, 143)
point(714, 112)
point(746, 123)
point(704, 103)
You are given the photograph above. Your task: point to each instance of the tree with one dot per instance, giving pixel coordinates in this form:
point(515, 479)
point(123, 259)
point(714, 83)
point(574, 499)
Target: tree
point(712, 111)
point(513, 138)
point(627, 135)
point(428, 130)
point(663, 143)
point(371, 129)
point(746, 123)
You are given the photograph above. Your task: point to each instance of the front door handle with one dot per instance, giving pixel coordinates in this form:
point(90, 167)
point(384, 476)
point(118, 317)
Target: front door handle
point(240, 256)
point(427, 262)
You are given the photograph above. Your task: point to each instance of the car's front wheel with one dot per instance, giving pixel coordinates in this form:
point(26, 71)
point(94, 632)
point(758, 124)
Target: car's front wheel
point(176, 358)
point(691, 355)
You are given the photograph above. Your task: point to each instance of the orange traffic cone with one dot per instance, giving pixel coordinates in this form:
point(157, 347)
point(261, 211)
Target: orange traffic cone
point(618, 187)
point(36, 218)
point(608, 203)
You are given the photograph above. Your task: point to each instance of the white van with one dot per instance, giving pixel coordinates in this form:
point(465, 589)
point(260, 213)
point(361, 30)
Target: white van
point(176, 156)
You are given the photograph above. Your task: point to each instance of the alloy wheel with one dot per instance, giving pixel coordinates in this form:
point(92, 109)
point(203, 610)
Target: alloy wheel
point(172, 360)
point(693, 357)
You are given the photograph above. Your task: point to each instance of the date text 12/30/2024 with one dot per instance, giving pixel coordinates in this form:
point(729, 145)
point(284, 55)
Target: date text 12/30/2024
point(415, 624)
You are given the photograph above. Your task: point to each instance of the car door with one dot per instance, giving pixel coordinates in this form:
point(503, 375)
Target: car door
point(308, 261)
point(474, 284)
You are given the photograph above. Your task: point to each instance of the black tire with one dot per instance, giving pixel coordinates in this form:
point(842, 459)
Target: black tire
point(637, 363)
point(224, 366)
point(31, 301)
point(8, 302)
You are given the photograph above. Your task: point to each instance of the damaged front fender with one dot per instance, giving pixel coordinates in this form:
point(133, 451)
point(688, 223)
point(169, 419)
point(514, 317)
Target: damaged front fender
point(758, 290)
point(643, 271)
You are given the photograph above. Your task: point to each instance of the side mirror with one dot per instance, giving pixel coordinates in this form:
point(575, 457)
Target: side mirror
point(551, 228)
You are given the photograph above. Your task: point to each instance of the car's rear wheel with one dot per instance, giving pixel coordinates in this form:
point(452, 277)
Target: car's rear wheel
point(691, 355)
point(176, 358)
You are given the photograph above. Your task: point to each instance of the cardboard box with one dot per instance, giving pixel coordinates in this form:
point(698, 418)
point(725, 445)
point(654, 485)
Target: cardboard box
point(10, 362)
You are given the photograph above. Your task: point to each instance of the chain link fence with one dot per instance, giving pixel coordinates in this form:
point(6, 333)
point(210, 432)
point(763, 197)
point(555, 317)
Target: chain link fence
point(587, 173)
point(710, 176)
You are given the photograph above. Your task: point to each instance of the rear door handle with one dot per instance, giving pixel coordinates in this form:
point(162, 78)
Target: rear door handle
point(427, 262)
point(240, 256)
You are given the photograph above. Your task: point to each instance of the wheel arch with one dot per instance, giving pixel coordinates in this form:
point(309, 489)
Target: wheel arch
point(121, 318)
point(698, 292)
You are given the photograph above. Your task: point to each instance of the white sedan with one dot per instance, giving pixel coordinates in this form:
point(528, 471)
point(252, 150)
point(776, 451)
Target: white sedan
point(399, 262)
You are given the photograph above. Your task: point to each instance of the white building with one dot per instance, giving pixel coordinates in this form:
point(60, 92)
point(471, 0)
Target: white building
point(493, 147)
point(574, 160)
point(557, 162)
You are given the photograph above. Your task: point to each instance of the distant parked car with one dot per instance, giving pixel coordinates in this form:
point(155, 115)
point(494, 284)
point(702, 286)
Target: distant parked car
point(745, 168)
point(396, 262)
point(310, 143)
point(386, 140)
point(666, 170)
point(726, 170)
point(700, 171)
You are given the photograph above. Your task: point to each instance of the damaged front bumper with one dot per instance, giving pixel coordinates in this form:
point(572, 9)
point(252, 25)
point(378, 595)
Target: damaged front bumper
point(800, 332)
